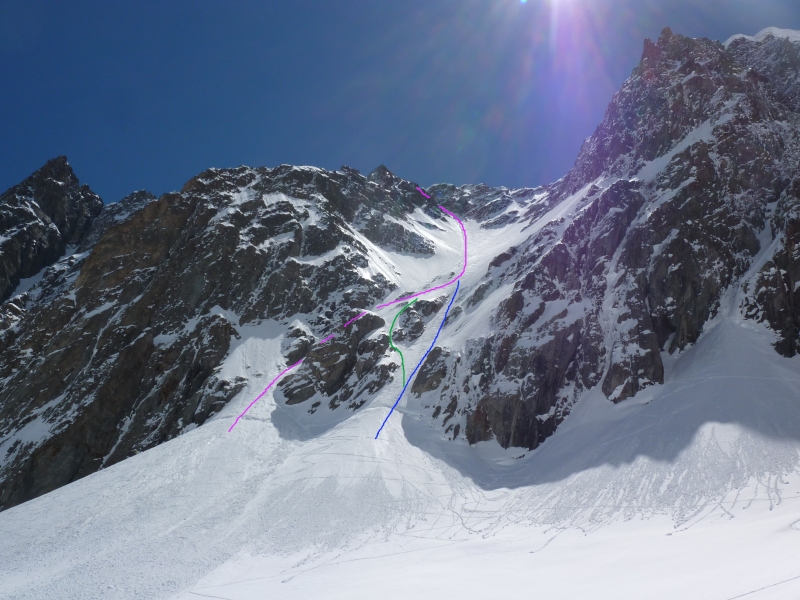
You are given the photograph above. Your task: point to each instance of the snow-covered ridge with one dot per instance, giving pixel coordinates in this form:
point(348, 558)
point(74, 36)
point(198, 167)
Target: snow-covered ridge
point(792, 35)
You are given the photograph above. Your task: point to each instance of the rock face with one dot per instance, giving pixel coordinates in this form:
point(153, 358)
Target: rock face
point(112, 214)
point(689, 181)
point(39, 218)
point(343, 369)
point(683, 204)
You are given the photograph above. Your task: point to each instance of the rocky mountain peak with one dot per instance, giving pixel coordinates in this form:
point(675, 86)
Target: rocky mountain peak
point(57, 192)
point(383, 176)
point(39, 218)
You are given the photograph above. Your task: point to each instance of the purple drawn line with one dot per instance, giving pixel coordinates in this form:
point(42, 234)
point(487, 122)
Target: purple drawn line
point(444, 285)
point(354, 319)
point(266, 389)
point(419, 189)
point(333, 335)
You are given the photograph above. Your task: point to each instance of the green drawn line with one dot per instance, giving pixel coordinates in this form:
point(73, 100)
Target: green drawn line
point(395, 348)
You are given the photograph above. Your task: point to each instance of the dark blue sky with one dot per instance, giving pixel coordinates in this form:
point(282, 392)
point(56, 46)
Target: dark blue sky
point(148, 94)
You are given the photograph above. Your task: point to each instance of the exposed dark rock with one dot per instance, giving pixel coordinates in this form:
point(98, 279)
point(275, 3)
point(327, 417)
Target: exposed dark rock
point(432, 372)
point(772, 295)
point(39, 218)
point(335, 369)
point(112, 214)
point(393, 236)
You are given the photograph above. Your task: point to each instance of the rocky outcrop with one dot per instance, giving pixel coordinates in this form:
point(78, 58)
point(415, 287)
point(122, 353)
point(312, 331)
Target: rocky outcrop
point(771, 296)
point(112, 214)
point(342, 369)
point(40, 218)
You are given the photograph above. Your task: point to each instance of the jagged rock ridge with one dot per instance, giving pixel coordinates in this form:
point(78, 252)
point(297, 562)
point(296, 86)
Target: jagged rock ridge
point(40, 218)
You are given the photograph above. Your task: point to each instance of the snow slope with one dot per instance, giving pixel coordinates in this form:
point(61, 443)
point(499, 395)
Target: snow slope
point(790, 34)
point(669, 494)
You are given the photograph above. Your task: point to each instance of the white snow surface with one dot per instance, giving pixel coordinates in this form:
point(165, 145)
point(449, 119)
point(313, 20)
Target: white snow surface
point(691, 489)
point(790, 34)
point(28, 283)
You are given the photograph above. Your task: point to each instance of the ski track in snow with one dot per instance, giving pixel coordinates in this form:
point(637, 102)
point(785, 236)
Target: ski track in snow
point(266, 389)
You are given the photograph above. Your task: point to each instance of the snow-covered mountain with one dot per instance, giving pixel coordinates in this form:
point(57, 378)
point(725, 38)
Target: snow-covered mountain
point(609, 383)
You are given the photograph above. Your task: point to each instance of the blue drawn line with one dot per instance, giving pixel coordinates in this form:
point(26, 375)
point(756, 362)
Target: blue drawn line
point(424, 356)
